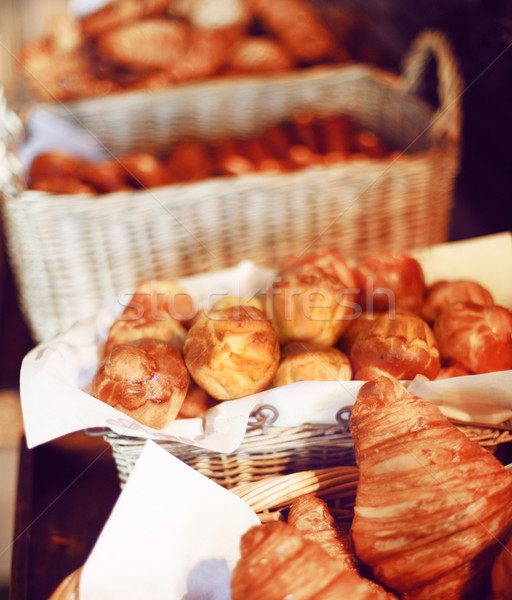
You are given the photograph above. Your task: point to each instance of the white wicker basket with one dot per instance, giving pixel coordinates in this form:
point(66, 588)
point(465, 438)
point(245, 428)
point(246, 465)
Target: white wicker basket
point(71, 255)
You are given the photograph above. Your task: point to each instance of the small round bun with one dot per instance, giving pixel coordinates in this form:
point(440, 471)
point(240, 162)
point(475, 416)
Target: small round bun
point(145, 379)
point(233, 352)
point(305, 362)
point(229, 301)
point(389, 279)
point(399, 345)
point(312, 299)
point(158, 309)
point(475, 338)
point(443, 293)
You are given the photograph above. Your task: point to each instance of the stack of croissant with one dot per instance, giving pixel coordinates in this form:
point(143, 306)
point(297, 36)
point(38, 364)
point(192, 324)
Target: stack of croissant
point(302, 141)
point(151, 44)
point(432, 517)
point(319, 320)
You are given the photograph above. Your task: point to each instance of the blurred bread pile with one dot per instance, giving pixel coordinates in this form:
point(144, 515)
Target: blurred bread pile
point(319, 319)
point(150, 44)
point(302, 141)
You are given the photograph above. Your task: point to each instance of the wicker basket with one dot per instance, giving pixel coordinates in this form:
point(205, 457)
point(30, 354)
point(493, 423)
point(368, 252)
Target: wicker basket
point(267, 450)
point(71, 255)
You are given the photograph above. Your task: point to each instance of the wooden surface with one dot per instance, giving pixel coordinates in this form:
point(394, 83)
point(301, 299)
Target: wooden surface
point(66, 491)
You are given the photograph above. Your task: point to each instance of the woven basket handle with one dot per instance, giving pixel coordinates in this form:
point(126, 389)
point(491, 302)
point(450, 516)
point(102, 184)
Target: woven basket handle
point(446, 122)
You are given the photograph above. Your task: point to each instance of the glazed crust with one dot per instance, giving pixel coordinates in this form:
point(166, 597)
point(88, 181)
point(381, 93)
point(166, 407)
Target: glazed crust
point(443, 293)
point(431, 504)
point(232, 352)
point(145, 379)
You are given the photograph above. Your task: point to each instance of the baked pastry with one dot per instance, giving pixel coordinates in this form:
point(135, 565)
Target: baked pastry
point(449, 372)
point(55, 164)
point(475, 338)
point(501, 574)
point(145, 379)
point(197, 401)
point(189, 161)
point(121, 12)
point(402, 346)
point(258, 55)
point(232, 352)
point(358, 326)
point(311, 516)
point(158, 309)
point(145, 45)
point(301, 361)
point(390, 280)
point(107, 176)
point(431, 504)
point(56, 184)
point(278, 563)
point(443, 293)
point(312, 298)
point(144, 170)
point(304, 35)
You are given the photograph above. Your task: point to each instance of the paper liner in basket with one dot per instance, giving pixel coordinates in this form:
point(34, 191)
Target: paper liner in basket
point(54, 375)
point(173, 533)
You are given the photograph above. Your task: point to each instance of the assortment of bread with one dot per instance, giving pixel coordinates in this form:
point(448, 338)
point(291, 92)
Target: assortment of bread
point(309, 325)
point(288, 146)
point(150, 44)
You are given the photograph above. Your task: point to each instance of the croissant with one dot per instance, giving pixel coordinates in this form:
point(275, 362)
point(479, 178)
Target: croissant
point(431, 504)
point(278, 563)
point(501, 575)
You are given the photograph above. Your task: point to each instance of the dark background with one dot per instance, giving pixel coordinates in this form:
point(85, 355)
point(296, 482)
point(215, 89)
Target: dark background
point(481, 36)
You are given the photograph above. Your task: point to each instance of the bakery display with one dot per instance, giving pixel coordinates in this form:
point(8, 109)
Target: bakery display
point(131, 45)
point(232, 352)
point(432, 506)
point(145, 379)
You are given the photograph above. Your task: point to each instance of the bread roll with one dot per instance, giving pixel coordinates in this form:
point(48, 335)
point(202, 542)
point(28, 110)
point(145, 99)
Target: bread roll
point(158, 309)
point(475, 338)
point(390, 280)
point(358, 326)
point(312, 299)
point(145, 379)
point(145, 170)
point(443, 293)
point(305, 362)
point(232, 352)
point(232, 301)
point(402, 347)
point(197, 401)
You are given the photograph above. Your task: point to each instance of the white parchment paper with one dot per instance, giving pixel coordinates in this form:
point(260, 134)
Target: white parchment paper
point(173, 534)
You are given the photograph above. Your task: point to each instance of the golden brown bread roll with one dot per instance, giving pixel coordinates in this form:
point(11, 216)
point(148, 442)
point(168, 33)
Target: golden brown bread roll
point(448, 372)
point(232, 301)
point(107, 176)
point(301, 361)
point(56, 184)
point(358, 326)
point(145, 379)
point(59, 164)
point(443, 293)
point(278, 563)
point(389, 280)
point(197, 401)
point(402, 346)
point(258, 55)
point(158, 309)
point(501, 574)
point(312, 299)
point(431, 504)
point(145, 170)
point(233, 352)
point(475, 338)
